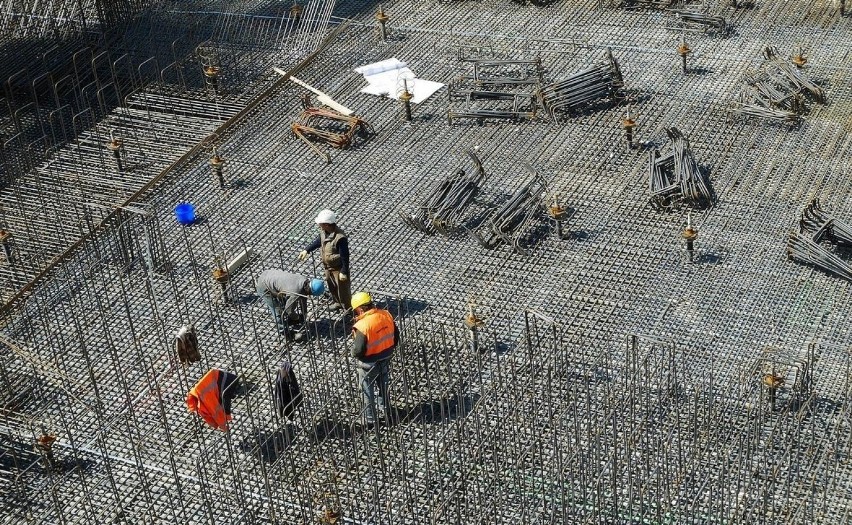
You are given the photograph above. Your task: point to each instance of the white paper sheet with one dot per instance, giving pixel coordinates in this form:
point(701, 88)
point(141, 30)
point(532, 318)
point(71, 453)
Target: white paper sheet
point(389, 82)
point(388, 78)
point(378, 67)
point(423, 89)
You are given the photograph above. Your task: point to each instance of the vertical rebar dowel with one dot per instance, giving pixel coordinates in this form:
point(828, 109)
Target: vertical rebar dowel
point(44, 447)
point(772, 382)
point(6, 244)
point(382, 18)
point(406, 97)
point(115, 145)
point(217, 163)
point(296, 11)
point(211, 75)
point(629, 124)
point(558, 213)
point(683, 50)
point(689, 234)
point(473, 323)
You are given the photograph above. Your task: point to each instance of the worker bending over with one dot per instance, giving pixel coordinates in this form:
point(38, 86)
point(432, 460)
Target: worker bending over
point(286, 294)
point(375, 335)
point(335, 257)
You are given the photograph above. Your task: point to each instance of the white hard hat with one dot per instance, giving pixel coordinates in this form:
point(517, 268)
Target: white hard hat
point(326, 217)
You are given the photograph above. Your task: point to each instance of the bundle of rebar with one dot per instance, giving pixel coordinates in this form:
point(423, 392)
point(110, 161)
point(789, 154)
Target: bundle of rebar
point(675, 178)
point(817, 229)
point(825, 226)
point(447, 203)
point(746, 106)
point(692, 21)
point(778, 91)
point(510, 223)
point(496, 90)
point(324, 126)
point(584, 89)
point(789, 71)
point(646, 4)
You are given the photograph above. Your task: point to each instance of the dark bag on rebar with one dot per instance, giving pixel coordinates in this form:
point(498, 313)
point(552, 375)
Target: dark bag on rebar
point(288, 395)
point(186, 344)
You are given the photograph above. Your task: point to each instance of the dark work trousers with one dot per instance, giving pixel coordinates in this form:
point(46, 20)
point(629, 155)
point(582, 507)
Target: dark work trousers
point(286, 309)
point(338, 289)
point(373, 378)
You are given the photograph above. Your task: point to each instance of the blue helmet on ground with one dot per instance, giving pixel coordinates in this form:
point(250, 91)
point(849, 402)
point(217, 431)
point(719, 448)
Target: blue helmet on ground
point(317, 287)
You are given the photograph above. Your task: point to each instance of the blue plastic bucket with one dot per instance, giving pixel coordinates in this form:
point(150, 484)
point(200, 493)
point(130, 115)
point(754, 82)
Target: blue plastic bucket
point(185, 213)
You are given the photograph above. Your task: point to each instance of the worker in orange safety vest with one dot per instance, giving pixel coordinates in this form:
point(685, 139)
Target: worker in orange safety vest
point(211, 397)
point(375, 335)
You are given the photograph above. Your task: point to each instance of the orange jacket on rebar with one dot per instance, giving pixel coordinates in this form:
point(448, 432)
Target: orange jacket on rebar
point(211, 398)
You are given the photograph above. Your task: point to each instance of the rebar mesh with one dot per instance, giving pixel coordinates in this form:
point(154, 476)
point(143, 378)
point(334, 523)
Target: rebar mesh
point(601, 378)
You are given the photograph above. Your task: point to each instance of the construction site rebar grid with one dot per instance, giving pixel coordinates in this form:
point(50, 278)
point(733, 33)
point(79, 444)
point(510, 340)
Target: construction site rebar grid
point(602, 375)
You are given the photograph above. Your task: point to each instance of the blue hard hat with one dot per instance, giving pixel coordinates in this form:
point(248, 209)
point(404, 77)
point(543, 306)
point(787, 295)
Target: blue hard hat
point(317, 286)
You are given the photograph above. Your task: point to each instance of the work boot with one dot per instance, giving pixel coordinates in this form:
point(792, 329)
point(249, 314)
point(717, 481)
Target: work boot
point(299, 337)
point(336, 306)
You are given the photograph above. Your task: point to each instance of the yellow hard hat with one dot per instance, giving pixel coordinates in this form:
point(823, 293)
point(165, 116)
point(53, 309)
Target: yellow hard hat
point(360, 299)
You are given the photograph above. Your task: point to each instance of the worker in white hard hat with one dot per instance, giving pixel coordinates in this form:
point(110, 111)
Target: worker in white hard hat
point(335, 257)
point(286, 294)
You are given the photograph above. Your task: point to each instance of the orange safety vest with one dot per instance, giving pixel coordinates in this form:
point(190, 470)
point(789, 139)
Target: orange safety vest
point(205, 399)
point(378, 327)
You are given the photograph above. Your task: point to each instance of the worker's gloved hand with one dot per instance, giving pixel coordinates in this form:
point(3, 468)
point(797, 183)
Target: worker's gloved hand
point(344, 277)
point(303, 255)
